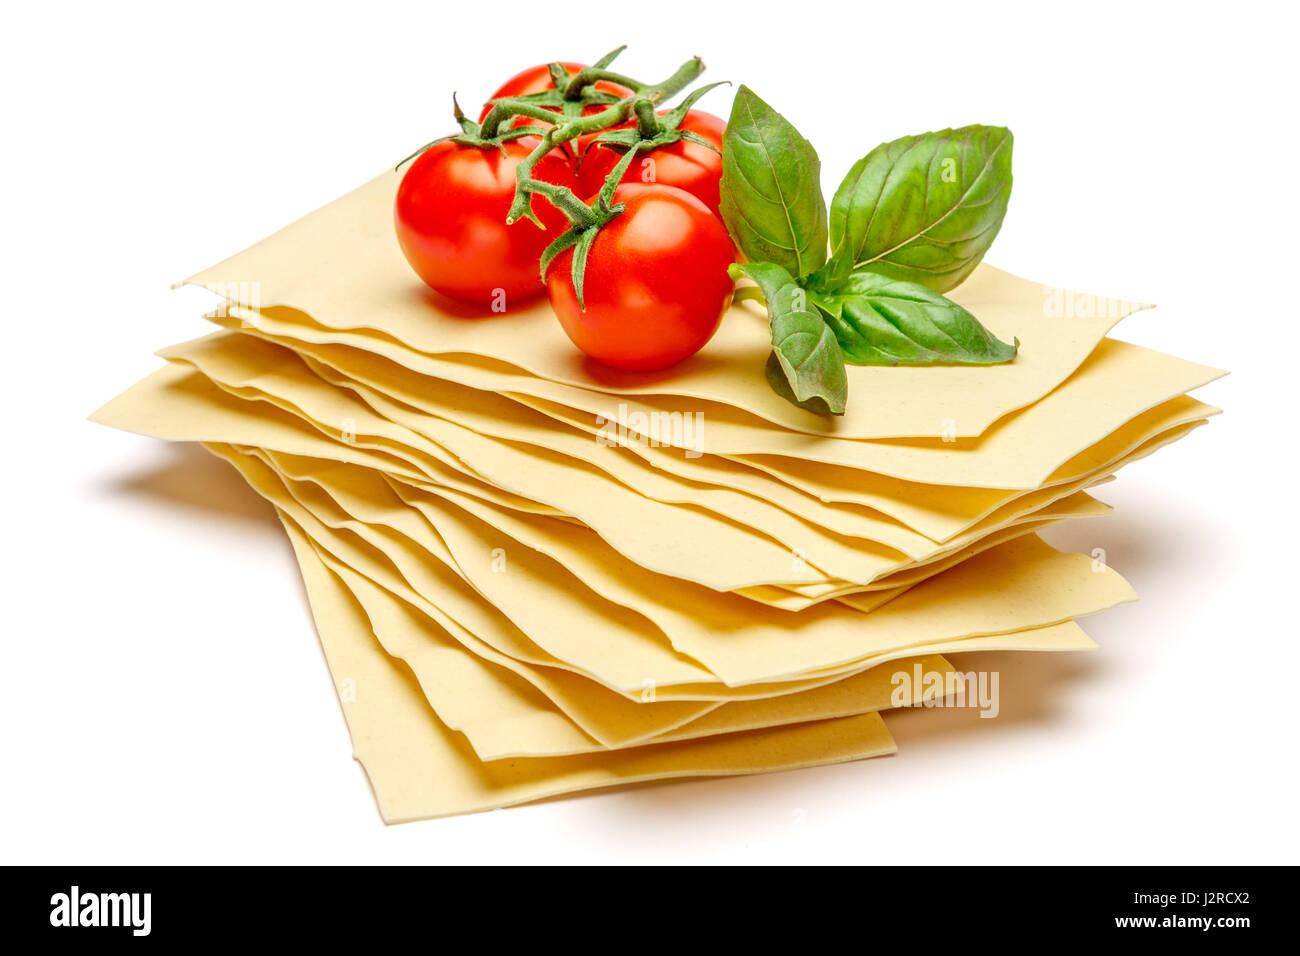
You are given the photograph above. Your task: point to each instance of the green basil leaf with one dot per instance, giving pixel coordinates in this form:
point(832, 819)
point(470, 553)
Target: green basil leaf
point(771, 188)
point(806, 366)
point(776, 376)
point(882, 321)
point(922, 208)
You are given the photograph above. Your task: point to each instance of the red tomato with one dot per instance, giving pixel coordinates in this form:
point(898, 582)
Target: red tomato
point(656, 284)
point(537, 79)
point(689, 166)
point(450, 215)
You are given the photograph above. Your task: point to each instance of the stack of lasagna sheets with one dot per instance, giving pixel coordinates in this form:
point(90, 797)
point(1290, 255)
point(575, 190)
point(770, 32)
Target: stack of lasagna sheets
point(533, 575)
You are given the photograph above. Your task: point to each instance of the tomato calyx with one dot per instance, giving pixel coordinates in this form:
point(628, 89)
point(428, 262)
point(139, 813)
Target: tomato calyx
point(471, 135)
point(653, 129)
point(587, 223)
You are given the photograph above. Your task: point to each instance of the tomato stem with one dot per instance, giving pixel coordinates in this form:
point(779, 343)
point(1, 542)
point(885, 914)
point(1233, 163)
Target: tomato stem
point(647, 121)
point(563, 199)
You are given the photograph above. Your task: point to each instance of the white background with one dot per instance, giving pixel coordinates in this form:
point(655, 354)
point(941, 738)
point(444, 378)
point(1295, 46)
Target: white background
point(162, 692)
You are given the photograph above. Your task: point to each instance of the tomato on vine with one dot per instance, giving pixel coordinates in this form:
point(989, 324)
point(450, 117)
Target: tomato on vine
point(655, 285)
point(450, 214)
point(684, 164)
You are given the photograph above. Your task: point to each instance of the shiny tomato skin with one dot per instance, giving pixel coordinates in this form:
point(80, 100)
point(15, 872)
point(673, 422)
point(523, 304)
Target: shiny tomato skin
point(689, 166)
point(656, 283)
point(537, 79)
point(450, 216)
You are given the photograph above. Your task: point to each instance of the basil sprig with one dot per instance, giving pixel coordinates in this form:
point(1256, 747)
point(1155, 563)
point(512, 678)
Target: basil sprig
point(910, 221)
